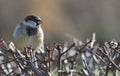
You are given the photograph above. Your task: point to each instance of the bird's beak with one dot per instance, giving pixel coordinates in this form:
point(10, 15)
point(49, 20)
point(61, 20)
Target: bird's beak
point(39, 22)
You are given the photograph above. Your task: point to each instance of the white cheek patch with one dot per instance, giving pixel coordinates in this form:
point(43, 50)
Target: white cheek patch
point(31, 24)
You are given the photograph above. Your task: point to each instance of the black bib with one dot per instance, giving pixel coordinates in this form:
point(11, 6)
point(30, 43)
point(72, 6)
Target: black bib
point(31, 31)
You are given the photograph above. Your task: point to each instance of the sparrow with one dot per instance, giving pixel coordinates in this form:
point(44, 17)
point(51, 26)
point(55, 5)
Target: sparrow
point(29, 33)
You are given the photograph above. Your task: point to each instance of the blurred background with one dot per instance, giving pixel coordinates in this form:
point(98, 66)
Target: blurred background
point(63, 18)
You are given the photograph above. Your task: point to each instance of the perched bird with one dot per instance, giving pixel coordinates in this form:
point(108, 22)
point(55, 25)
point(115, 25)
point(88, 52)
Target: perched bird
point(29, 33)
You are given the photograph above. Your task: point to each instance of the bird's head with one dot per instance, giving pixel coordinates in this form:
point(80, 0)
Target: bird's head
point(33, 21)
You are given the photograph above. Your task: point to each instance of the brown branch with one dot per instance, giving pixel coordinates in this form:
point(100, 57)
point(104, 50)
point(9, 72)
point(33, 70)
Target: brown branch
point(71, 46)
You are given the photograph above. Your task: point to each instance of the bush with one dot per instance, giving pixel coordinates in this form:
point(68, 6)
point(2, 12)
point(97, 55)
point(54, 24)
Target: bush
point(75, 58)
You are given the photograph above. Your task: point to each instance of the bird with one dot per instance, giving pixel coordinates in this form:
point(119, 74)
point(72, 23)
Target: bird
point(29, 33)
